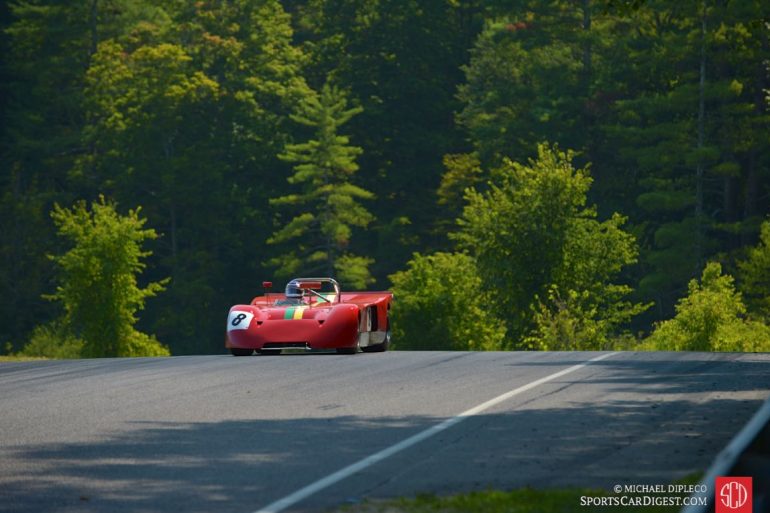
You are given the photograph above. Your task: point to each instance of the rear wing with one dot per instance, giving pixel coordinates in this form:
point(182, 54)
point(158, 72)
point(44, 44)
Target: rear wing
point(365, 297)
point(358, 298)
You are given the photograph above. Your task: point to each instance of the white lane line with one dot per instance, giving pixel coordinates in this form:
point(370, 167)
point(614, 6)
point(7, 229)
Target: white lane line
point(348, 471)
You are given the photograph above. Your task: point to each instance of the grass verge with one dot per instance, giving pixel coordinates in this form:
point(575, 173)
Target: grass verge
point(526, 500)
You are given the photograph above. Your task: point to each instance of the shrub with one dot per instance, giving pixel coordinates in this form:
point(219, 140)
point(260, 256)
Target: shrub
point(53, 340)
point(98, 279)
point(440, 304)
point(755, 274)
point(711, 318)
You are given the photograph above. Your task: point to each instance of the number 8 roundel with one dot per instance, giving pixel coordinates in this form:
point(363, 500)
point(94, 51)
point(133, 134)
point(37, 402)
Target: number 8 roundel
point(238, 320)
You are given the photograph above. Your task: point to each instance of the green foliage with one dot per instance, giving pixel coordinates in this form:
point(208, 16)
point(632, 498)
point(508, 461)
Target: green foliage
point(711, 318)
point(755, 274)
point(53, 340)
point(186, 114)
point(586, 309)
point(184, 108)
point(402, 61)
point(523, 83)
point(24, 238)
point(517, 228)
point(148, 86)
point(623, 88)
point(581, 320)
point(45, 47)
point(540, 252)
point(441, 305)
point(324, 166)
point(98, 280)
point(463, 171)
point(688, 118)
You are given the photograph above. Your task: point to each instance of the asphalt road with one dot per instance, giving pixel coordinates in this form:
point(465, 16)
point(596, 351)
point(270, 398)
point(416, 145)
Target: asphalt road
point(225, 434)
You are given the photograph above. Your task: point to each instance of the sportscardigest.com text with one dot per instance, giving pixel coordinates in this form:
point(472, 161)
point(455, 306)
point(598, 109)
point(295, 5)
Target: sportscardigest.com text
point(644, 495)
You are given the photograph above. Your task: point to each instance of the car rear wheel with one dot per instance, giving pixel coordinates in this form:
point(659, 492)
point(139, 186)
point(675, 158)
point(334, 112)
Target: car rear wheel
point(241, 352)
point(381, 347)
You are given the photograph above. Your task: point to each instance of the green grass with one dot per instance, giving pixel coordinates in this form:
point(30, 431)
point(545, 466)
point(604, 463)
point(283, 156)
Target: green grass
point(518, 501)
point(526, 500)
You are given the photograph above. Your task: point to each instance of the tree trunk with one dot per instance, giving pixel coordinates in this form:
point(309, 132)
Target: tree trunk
point(94, 26)
point(588, 118)
point(699, 171)
point(752, 180)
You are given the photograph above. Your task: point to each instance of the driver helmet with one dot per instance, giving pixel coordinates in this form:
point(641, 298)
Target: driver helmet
point(293, 291)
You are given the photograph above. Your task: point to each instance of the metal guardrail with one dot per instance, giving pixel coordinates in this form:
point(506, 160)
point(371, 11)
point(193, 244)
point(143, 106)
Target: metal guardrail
point(747, 455)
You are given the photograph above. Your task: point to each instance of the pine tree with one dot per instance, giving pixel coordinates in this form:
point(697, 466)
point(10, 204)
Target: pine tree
point(401, 60)
point(686, 134)
point(327, 204)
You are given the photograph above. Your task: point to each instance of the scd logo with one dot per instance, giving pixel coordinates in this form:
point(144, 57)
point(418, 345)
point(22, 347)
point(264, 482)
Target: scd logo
point(733, 495)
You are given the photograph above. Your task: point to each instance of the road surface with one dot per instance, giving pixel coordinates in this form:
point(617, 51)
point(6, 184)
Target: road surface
point(225, 434)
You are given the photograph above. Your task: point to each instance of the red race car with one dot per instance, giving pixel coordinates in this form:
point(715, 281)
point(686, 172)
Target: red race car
point(312, 314)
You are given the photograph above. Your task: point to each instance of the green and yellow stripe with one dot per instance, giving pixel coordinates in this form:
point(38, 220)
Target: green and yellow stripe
point(294, 312)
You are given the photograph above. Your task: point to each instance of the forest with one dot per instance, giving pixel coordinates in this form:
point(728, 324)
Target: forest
point(523, 174)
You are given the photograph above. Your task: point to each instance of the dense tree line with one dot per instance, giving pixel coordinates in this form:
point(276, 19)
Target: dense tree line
point(546, 174)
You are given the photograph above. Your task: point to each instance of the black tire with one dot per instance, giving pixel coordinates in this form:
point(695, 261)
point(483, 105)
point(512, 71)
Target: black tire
point(347, 350)
point(241, 352)
point(379, 348)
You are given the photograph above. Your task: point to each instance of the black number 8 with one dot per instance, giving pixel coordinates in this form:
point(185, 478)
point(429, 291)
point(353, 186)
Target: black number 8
point(238, 318)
